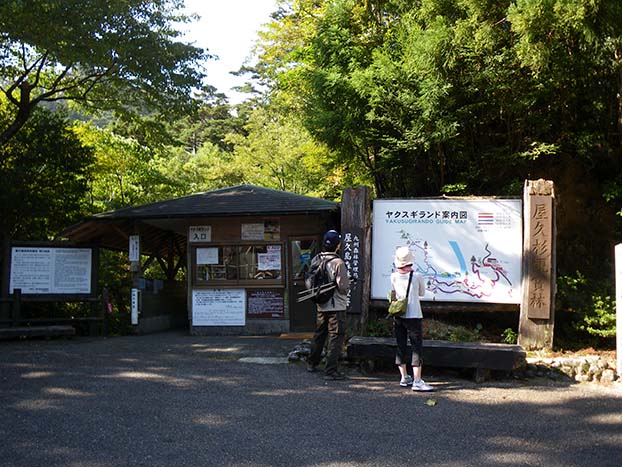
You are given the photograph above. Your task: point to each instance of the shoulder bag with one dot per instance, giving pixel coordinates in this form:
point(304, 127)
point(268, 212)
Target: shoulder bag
point(398, 307)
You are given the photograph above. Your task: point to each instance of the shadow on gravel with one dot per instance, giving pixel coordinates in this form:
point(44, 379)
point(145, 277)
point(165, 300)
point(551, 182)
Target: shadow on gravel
point(177, 400)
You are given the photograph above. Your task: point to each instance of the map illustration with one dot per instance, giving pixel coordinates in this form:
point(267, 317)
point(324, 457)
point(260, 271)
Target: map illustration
point(466, 250)
point(477, 279)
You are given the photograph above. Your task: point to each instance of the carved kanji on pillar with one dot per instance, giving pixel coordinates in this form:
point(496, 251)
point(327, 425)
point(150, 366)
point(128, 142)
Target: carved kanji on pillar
point(537, 309)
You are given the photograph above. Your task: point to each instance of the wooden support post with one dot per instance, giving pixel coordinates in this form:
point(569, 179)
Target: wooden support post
point(106, 308)
point(5, 305)
point(16, 309)
point(537, 315)
point(356, 253)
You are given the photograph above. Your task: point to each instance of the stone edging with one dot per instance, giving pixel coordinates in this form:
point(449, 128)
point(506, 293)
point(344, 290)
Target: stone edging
point(583, 369)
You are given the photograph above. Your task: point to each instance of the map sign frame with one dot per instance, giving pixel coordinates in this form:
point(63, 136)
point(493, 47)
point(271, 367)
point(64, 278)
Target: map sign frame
point(467, 250)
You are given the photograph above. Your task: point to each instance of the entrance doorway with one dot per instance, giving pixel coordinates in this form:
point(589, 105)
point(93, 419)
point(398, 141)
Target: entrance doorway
point(301, 315)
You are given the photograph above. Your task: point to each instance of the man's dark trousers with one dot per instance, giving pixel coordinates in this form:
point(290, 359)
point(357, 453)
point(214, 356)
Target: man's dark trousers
point(330, 324)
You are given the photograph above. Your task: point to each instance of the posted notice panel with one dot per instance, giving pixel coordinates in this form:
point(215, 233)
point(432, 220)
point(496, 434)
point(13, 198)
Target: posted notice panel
point(218, 307)
point(466, 250)
point(51, 270)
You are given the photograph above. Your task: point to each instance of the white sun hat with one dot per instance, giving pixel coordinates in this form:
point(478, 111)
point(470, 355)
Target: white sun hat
point(403, 257)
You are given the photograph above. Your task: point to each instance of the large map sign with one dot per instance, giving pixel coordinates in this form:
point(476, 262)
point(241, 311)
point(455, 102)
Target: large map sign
point(466, 250)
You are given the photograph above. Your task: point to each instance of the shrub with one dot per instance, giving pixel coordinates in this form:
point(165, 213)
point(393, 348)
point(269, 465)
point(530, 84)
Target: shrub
point(509, 336)
point(586, 311)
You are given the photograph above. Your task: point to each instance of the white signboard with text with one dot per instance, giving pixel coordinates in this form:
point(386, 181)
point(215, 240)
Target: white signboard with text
point(134, 248)
point(200, 233)
point(50, 270)
point(466, 250)
point(218, 307)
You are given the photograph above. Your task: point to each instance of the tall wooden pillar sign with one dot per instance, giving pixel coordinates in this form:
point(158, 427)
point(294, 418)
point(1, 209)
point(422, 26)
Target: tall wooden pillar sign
point(537, 315)
point(356, 253)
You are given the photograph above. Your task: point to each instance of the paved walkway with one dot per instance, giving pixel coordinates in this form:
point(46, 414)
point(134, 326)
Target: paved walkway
point(176, 400)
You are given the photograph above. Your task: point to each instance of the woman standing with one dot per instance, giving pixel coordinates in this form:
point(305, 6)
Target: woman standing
point(409, 324)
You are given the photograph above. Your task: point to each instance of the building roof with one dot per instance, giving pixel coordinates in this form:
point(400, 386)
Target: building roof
point(233, 201)
point(160, 221)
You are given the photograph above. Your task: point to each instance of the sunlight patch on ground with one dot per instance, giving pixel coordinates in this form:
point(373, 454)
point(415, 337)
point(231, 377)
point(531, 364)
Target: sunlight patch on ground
point(139, 375)
point(211, 420)
point(38, 374)
point(513, 458)
point(606, 419)
point(205, 348)
point(67, 392)
point(264, 360)
point(558, 411)
point(278, 392)
point(38, 404)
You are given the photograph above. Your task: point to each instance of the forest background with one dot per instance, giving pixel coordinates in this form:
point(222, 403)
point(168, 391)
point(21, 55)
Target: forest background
point(104, 106)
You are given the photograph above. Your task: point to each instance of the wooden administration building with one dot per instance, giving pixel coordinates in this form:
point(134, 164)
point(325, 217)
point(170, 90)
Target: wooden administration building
point(241, 253)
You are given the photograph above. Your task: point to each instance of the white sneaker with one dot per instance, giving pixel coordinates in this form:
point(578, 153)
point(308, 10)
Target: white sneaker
point(421, 386)
point(406, 381)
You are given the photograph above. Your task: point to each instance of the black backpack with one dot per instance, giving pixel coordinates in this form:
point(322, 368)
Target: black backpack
point(318, 280)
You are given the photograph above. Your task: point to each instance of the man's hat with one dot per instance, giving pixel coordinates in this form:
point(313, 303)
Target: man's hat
point(331, 239)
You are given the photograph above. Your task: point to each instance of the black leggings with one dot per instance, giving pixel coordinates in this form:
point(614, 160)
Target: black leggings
point(404, 328)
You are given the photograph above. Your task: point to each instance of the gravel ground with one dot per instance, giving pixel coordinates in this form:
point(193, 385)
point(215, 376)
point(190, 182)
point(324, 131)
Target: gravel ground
point(171, 399)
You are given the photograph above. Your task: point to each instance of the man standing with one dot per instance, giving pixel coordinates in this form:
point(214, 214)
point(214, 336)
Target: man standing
point(331, 315)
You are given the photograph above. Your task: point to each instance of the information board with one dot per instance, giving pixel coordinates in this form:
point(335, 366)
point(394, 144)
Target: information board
point(218, 307)
point(466, 250)
point(51, 270)
point(265, 303)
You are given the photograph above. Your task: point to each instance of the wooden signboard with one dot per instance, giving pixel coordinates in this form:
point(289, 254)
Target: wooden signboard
point(538, 257)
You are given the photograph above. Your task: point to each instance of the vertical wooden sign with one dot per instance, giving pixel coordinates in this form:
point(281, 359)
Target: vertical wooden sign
point(537, 313)
point(618, 276)
point(356, 252)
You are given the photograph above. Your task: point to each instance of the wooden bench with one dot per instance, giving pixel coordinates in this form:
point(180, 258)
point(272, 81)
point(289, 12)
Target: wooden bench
point(37, 331)
point(479, 356)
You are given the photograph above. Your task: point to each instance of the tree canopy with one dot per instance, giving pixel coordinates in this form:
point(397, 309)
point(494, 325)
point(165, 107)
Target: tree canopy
point(117, 54)
point(45, 171)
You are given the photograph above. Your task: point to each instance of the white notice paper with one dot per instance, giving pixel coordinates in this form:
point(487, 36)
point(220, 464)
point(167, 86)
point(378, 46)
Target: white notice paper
point(218, 307)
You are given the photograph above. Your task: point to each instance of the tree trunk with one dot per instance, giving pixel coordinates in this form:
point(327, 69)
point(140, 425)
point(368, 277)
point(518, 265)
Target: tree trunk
point(24, 108)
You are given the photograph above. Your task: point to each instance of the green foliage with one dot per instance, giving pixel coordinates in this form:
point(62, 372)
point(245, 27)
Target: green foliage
point(379, 328)
point(601, 321)
point(438, 330)
point(115, 278)
point(45, 171)
point(509, 336)
point(277, 152)
point(125, 172)
point(587, 308)
point(122, 55)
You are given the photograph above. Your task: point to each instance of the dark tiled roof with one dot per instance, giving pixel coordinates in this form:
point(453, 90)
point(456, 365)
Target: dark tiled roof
point(232, 201)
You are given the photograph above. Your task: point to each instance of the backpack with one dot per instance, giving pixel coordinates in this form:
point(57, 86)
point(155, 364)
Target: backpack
point(318, 279)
